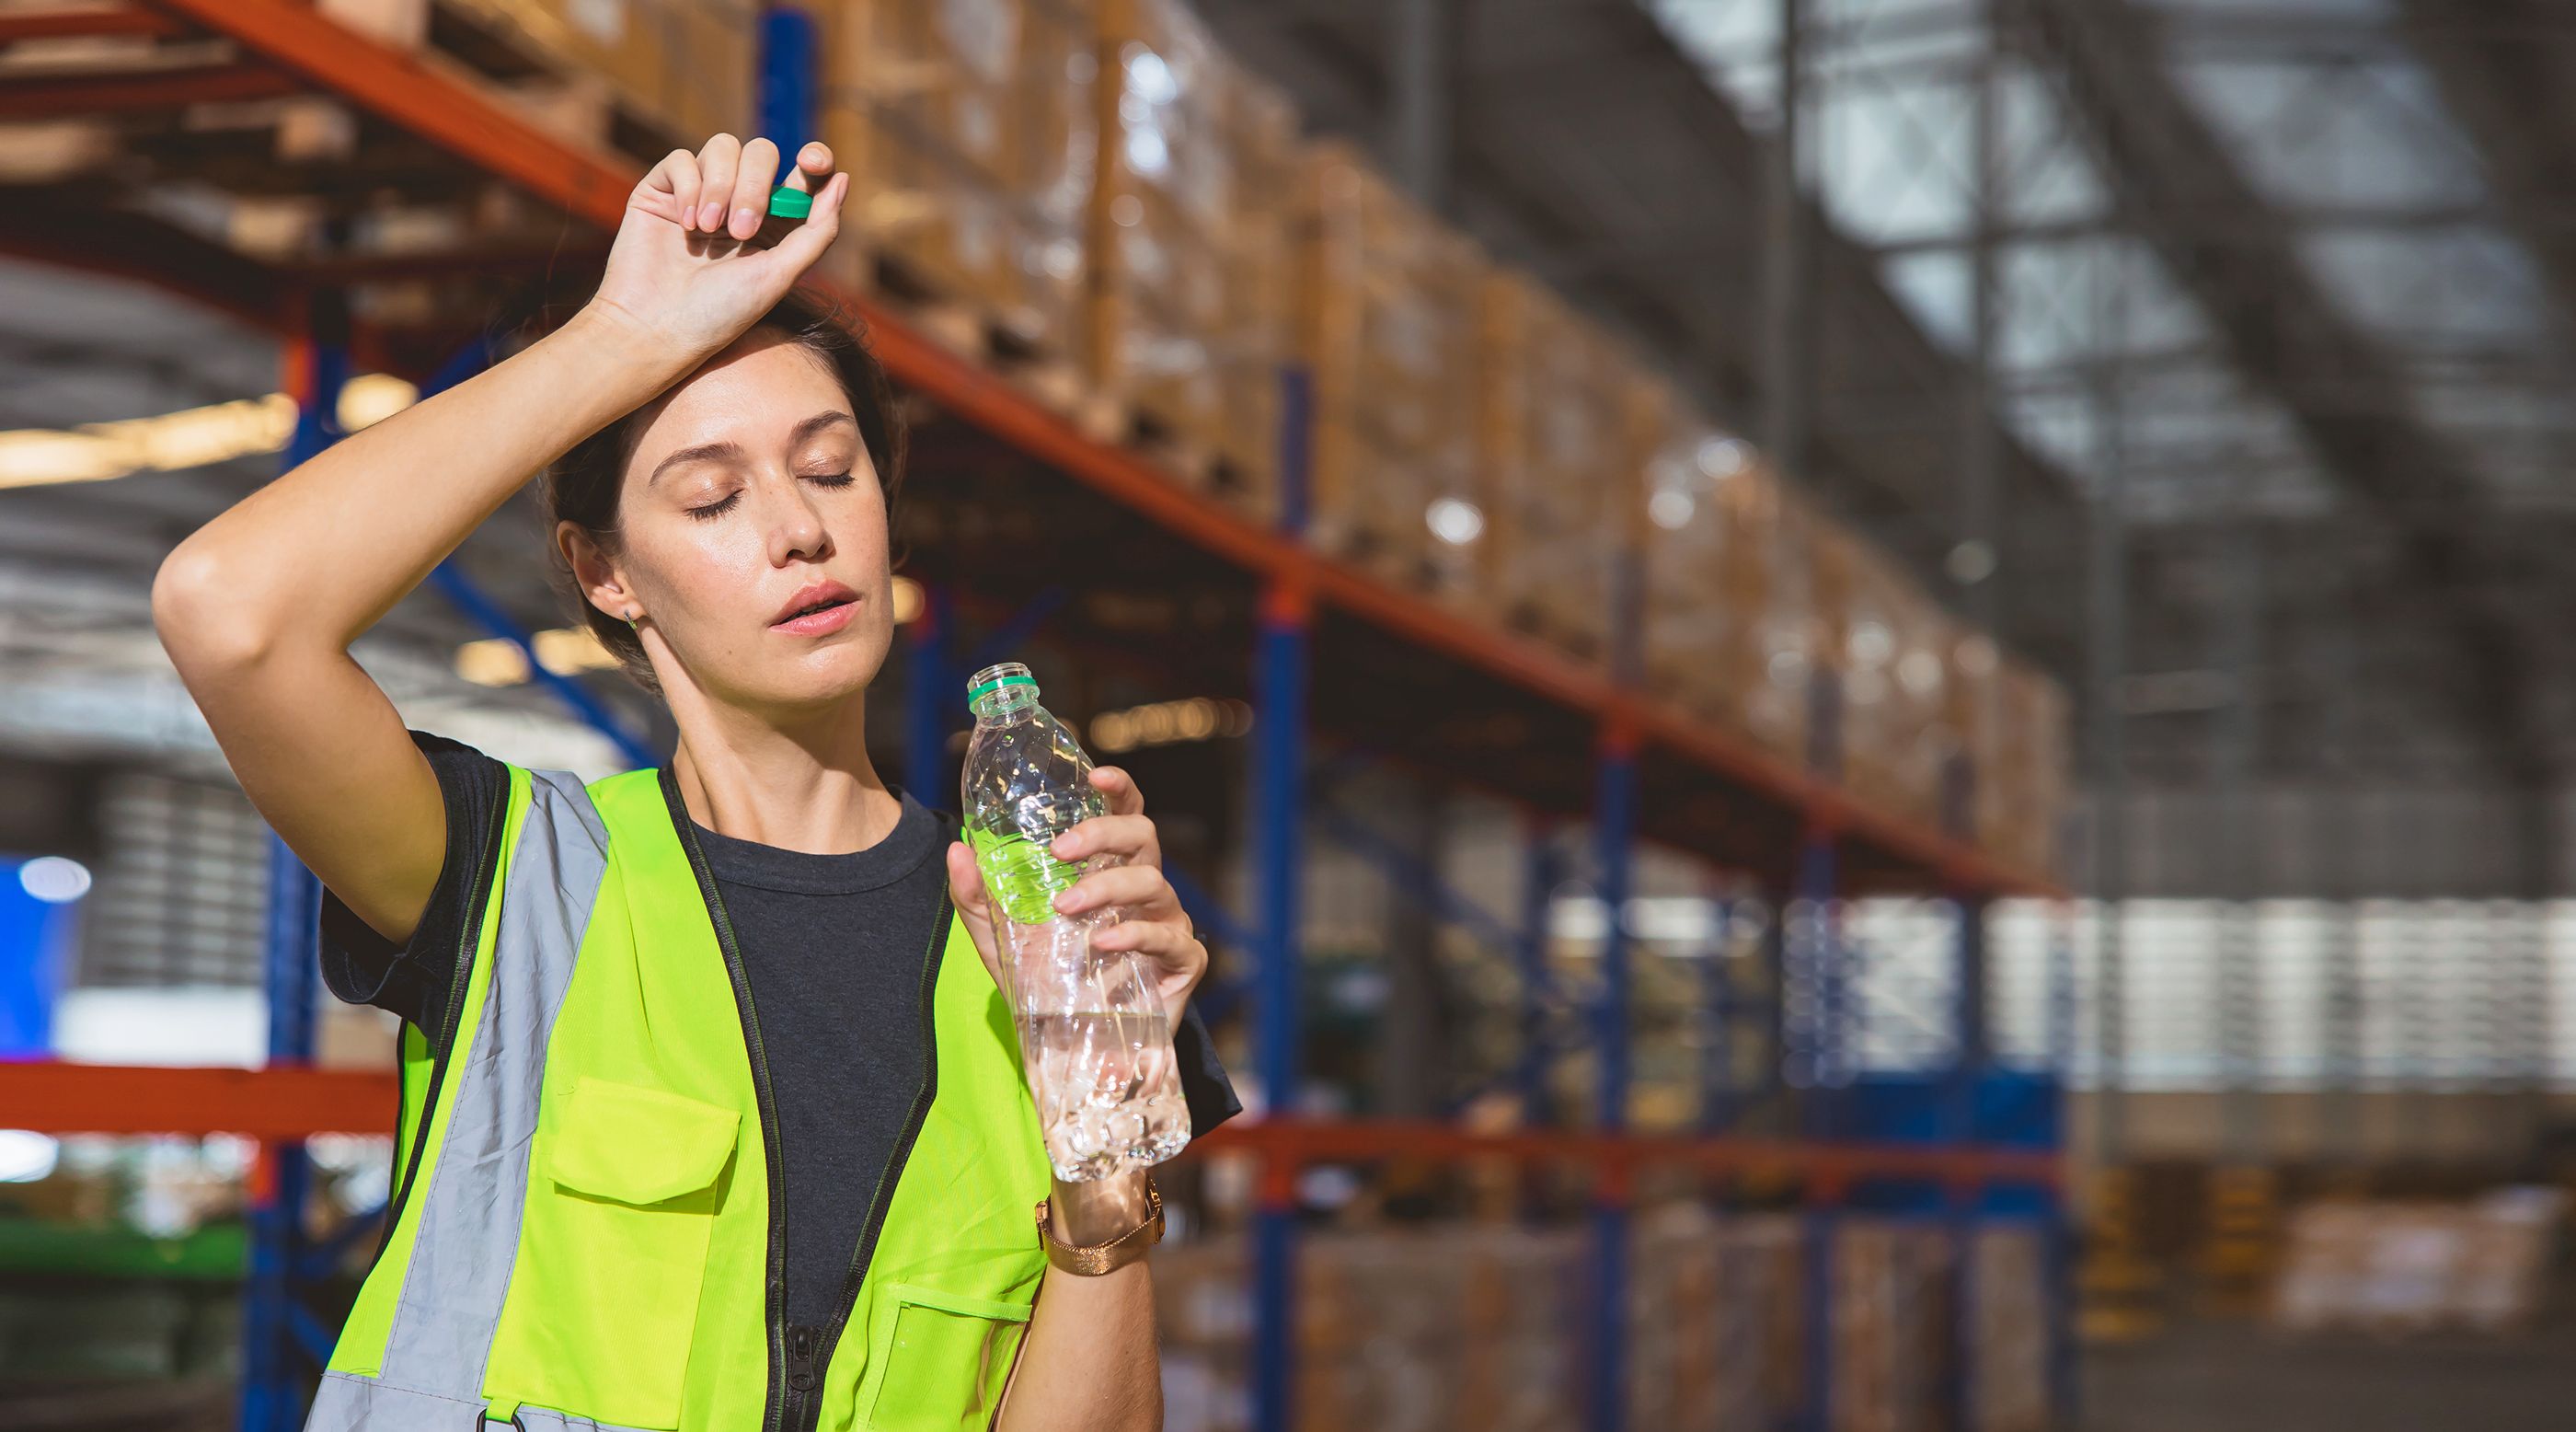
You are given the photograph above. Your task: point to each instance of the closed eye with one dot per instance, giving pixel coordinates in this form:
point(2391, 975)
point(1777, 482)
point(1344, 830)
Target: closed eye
point(709, 511)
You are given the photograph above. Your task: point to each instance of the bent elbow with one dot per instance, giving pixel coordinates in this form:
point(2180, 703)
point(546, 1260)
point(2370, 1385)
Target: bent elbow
point(198, 612)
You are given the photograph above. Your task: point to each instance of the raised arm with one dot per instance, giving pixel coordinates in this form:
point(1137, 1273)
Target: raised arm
point(258, 607)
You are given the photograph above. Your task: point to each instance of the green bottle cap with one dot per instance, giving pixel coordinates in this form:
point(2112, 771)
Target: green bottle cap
point(787, 203)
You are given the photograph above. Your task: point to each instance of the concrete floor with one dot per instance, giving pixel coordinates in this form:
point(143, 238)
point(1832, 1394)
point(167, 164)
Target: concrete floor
point(2242, 1378)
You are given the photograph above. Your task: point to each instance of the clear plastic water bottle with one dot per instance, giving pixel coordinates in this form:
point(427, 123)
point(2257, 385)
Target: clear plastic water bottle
point(1094, 1035)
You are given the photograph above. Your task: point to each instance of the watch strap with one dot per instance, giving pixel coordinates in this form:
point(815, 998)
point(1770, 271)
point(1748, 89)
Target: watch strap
point(1093, 1260)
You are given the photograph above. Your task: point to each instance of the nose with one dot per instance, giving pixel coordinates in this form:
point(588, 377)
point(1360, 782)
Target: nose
point(799, 534)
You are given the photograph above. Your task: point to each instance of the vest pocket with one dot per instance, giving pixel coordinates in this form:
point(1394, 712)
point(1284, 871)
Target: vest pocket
point(941, 1358)
point(619, 1247)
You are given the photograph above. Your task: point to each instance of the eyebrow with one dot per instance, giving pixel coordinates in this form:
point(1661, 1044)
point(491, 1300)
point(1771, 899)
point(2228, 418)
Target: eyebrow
point(728, 451)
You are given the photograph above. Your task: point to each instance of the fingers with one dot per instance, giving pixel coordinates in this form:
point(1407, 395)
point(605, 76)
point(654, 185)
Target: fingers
point(674, 184)
point(813, 167)
point(1130, 837)
point(1166, 942)
point(1138, 888)
point(755, 176)
point(1175, 951)
point(1124, 798)
point(719, 159)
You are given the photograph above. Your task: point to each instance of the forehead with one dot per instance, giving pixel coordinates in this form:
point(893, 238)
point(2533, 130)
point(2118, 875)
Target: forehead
point(759, 387)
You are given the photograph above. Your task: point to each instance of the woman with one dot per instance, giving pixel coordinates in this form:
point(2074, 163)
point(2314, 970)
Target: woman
point(709, 1121)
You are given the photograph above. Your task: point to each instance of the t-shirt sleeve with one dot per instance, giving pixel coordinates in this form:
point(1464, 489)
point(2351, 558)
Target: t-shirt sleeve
point(415, 979)
point(1204, 1085)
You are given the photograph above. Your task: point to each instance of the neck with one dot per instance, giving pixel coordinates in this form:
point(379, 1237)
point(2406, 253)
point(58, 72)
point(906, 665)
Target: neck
point(802, 783)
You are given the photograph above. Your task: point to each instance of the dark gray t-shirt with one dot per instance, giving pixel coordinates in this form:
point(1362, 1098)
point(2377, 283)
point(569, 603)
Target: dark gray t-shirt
point(834, 947)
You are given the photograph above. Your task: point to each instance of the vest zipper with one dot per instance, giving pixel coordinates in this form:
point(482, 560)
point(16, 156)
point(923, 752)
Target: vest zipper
point(775, 1293)
point(880, 1203)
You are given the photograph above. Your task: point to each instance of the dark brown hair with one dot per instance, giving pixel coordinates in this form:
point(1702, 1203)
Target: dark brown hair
point(582, 487)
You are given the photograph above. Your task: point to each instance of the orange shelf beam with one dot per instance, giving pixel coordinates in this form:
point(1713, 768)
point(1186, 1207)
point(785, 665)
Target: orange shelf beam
point(51, 1097)
point(1828, 1165)
point(398, 89)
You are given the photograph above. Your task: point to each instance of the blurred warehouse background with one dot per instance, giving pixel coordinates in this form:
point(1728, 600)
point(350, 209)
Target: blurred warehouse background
point(1865, 696)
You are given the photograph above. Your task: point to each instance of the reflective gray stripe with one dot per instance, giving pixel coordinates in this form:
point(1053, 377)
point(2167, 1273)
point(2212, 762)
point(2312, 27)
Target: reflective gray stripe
point(469, 1228)
point(362, 1404)
point(543, 1419)
point(346, 1402)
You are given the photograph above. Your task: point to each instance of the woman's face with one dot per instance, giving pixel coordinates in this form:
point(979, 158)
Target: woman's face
point(752, 535)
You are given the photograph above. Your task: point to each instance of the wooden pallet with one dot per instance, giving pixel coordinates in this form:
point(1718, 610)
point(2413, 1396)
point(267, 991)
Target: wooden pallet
point(1192, 461)
point(978, 330)
point(1551, 626)
point(494, 47)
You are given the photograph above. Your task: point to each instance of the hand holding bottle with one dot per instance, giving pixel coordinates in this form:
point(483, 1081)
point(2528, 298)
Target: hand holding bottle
point(1122, 858)
point(1060, 883)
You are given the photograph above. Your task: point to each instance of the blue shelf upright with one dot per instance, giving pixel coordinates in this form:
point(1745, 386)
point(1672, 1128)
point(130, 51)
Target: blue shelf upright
point(1813, 958)
point(1278, 815)
point(1616, 817)
point(280, 1339)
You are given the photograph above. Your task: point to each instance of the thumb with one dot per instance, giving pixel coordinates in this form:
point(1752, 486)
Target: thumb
point(966, 890)
point(803, 245)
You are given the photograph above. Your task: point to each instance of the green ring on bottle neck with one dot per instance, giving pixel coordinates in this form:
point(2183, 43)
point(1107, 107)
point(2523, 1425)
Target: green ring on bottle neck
point(998, 682)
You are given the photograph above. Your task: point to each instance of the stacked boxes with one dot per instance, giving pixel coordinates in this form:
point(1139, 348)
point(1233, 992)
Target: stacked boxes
point(1481, 1327)
point(1896, 663)
point(1386, 324)
point(1406, 1331)
point(1726, 628)
point(2022, 769)
point(1676, 1302)
point(1188, 236)
point(1890, 1326)
point(1564, 434)
point(1517, 1368)
point(2008, 1285)
point(682, 69)
point(1091, 194)
point(2406, 1268)
point(1967, 716)
point(1714, 1324)
point(968, 130)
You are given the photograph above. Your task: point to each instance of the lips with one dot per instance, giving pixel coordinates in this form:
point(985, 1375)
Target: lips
point(817, 608)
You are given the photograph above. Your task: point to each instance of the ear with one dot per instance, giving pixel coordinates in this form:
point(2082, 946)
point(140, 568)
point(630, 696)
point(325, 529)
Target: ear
point(602, 581)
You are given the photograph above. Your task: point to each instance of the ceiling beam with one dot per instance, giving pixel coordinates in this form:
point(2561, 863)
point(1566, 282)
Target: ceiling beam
point(1526, 154)
point(2347, 394)
point(2513, 98)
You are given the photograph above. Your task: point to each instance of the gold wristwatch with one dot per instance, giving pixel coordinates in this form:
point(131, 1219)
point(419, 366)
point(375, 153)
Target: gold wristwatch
point(1113, 1255)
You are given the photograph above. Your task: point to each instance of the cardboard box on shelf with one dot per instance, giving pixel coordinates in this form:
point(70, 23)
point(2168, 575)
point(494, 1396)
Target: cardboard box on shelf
point(969, 132)
point(1385, 322)
point(1565, 430)
point(1188, 233)
point(2008, 1285)
point(1967, 718)
point(1894, 693)
point(1482, 1326)
point(2418, 1267)
point(1728, 634)
point(2022, 769)
point(668, 72)
point(1891, 1334)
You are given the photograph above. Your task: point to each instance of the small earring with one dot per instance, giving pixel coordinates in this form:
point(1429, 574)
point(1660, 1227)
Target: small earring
point(633, 615)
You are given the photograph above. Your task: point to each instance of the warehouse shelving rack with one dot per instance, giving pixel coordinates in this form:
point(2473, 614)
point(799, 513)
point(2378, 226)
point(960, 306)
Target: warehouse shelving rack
point(1713, 794)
